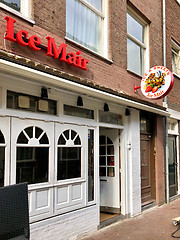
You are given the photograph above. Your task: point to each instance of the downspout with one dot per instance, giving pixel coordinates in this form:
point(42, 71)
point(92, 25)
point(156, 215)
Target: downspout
point(165, 103)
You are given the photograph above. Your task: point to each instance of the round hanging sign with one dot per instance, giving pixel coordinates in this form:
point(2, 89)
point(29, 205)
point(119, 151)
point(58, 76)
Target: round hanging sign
point(157, 82)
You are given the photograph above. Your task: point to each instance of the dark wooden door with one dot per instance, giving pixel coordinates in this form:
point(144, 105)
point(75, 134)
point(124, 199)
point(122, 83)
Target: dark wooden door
point(146, 169)
point(172, 166)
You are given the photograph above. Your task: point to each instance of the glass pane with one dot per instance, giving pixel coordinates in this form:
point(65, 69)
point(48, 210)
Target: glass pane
point(77, 141)
point(61, 140)
point(83, 25)
point(102, 140)
point(2, 161)
point(69, 163)
point(1, 138)
point(38, 132)
point(12, 102)
point(29, 131)
point(102, 171)
point(102, 160)
point(102, 150)
point(32, 164)
point(109, 117)
point(96, 3)
point(135, 28)
point(110, 172)
point(134, 57)
point(91, 165)
point(66, 134)
point(78, 112)
point(110, 160)
point(15, 4)
point(109, 141)
point(110, 150)
point(44, 139)
point(22, 138)
point(73, 134)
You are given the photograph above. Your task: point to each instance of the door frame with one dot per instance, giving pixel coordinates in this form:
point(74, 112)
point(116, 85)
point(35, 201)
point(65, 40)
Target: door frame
point(102, 128)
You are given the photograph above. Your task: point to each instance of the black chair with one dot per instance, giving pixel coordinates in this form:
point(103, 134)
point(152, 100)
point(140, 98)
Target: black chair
point(14, 213)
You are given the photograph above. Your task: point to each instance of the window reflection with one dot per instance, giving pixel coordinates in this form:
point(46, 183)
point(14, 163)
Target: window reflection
point(32, 164)
point(69, 163)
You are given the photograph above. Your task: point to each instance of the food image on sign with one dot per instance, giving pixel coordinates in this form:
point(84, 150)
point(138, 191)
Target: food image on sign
point(157, 82)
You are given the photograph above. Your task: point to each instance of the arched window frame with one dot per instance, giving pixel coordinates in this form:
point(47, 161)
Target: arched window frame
point(69, 142)
point(34, 142)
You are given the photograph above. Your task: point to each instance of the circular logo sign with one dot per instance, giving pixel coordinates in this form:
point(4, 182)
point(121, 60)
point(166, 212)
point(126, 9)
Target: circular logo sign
point(157, 82)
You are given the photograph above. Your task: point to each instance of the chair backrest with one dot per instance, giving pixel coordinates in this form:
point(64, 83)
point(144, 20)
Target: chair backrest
point(14, 213)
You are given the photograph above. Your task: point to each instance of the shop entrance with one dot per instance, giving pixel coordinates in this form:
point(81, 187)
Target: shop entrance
point(172, 166)
point(109, 162)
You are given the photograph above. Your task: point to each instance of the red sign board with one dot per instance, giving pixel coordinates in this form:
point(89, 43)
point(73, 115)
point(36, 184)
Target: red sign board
point(157, 82)
point(34, 43)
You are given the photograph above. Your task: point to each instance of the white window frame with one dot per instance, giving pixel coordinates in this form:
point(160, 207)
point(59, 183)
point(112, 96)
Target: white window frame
point(25, 10)
point(145, 46)
point(104, 38)
point(176, 51)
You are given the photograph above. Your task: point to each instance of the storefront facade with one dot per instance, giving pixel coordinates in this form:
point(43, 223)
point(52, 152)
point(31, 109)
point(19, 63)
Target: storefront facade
point(78, 160)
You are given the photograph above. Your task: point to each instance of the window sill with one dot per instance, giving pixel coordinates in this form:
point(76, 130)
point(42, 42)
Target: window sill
point(89, 50)
point(133, 73)
point(176, 75)
point(18, 14)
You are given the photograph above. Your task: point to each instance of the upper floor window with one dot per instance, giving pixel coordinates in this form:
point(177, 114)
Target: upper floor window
point(176, 58)
point(20, 7)
point(137, 44)
point(86, 24)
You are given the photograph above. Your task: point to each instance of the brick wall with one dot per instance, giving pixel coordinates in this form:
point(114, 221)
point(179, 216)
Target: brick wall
point(50, 18)
point(173, 32)
point(68, 226)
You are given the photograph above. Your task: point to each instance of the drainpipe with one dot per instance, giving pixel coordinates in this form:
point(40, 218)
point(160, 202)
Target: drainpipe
point(165, 103)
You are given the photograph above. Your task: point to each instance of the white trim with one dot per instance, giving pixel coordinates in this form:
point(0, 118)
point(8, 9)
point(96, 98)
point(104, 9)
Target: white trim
point(90, 50)
point(92, 8)
point(136, 41)
point(25, 8)
point(45, 78)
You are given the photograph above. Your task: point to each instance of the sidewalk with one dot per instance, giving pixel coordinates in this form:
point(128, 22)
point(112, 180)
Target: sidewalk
point(152, 224)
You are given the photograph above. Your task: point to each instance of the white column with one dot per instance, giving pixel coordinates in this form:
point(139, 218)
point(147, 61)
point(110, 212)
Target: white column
point(133, 159)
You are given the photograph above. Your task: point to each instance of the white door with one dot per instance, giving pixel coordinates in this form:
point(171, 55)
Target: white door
point(69, 167)
point(109, 170)
point(32, 161)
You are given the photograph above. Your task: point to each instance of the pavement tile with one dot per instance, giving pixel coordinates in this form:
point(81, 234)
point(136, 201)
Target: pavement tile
point(153, 224)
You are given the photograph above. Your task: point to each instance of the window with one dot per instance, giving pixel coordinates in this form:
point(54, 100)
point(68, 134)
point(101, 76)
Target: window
point(175, 58)
point(109, 117)
point(106, 157)
point(78, 112)
point(137, 44)
point(32, 156)
point(21, 6)
point(2, 159)
point(86, 23)
point(31, 103)
point(69, 155)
